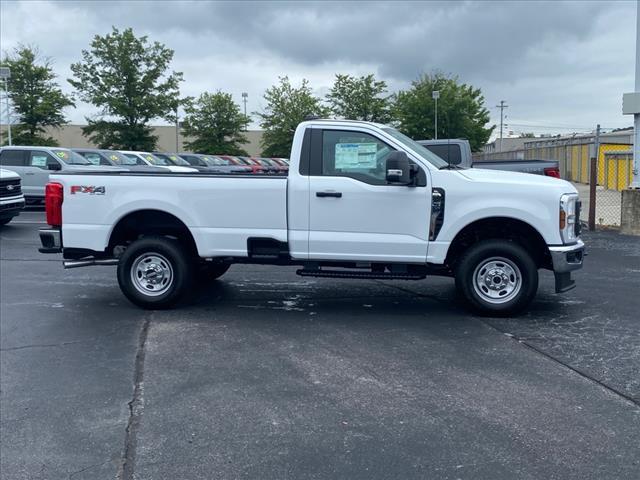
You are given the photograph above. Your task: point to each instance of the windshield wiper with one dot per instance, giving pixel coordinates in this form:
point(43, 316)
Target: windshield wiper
point(450, 166)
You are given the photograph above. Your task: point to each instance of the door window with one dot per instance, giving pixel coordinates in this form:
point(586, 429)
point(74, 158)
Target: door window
point(12, 158)
point(40, 159)
point(356, 155)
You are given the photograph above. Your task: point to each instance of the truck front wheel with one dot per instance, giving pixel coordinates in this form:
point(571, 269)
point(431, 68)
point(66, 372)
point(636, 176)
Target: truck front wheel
point(497, 278)
point(155, 272)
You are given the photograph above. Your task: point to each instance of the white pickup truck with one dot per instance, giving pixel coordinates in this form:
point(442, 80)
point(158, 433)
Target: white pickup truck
point(361, 200)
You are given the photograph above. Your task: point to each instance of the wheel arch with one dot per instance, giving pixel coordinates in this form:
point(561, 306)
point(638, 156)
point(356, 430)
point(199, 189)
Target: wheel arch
point(500, 228)
point(149, 221)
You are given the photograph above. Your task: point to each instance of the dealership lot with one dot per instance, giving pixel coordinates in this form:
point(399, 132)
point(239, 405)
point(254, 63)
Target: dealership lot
point(269, 375)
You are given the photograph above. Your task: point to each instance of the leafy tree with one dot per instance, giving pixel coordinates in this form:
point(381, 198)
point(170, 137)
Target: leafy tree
point(360, 98)
point(128, 78)
point(215, 123)
point(36, 97)
point(461, 110)
point(287, 106)
point(527, 135)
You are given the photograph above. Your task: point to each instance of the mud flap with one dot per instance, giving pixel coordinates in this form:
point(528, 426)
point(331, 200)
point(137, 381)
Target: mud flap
point(564, 282)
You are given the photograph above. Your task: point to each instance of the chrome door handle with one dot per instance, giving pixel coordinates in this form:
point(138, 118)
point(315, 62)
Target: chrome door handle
point(329, 194)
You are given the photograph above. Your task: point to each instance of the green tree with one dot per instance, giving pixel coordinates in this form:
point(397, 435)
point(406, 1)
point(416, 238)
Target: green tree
point(360, 98)
point(527, 135)
point(461, 110)
point(287, 106)
point(128, 78)
point(215, 123)
point(36, 97)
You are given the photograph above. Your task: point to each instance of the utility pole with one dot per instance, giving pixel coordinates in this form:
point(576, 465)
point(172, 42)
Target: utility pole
point(245, 95)
point(502, 106)
point(631, 106)
point(436, 95)
point(5, 73)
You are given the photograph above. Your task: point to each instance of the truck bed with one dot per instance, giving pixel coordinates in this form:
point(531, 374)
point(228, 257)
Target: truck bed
point(536, 167)
point(221, 211)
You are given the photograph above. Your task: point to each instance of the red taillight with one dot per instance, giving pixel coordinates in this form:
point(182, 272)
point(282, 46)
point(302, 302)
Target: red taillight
point(552, 172)
point(53, 196)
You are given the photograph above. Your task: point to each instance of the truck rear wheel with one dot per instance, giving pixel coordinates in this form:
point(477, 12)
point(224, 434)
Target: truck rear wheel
point(497, 278)
point(155, 272)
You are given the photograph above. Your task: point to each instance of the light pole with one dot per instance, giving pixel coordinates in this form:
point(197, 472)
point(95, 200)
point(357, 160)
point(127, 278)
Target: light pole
point(177, 130)
point(245, 95)
point(5, 73)
point(436, 95)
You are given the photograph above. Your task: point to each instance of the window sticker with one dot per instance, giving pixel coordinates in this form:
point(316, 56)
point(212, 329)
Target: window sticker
point(39, 160)
point(173, 157)
point(114, 158)
point(62, 154)
point(356, 155)
point(149, 157)
point(95, 159)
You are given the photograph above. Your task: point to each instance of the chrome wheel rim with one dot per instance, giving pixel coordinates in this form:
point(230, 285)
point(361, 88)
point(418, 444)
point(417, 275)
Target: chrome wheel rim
point(151, 274)
point(497, 280)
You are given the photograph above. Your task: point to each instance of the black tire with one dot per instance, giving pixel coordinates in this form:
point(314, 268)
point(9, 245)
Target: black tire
point(210, 272)
point(497, 257)
point(156, 254)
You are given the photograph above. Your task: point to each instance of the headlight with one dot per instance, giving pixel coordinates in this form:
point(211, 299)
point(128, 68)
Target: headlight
point(568, 217)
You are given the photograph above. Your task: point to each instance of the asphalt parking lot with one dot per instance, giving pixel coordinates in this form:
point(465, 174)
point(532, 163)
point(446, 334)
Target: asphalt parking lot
point(272, 376)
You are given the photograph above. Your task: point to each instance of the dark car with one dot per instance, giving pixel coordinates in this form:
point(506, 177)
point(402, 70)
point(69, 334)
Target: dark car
point(202, 160)
point(113, 158)
point(178, 161)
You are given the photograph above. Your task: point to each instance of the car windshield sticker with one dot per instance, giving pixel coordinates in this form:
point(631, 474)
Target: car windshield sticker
point(39, 160)
point(356, 155)
point(62, 154)
point(149, 157)
point(114, 158)
point(173, 157)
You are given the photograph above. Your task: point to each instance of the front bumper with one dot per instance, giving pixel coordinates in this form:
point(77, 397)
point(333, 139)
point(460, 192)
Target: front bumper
point(566, 259)
point(51, 239)
point(11, 207)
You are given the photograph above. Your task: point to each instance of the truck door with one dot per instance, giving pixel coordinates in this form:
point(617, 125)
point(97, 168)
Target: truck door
point(354, 214)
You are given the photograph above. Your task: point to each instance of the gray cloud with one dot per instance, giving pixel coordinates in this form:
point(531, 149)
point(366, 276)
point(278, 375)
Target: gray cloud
point(556, 63)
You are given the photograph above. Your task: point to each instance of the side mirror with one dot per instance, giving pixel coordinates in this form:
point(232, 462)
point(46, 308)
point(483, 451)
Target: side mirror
point(54, 166)
point(398, 169)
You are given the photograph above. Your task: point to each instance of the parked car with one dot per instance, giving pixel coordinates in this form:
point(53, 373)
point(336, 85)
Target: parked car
point(282, 169)
point(178, 160)
point(115, 159)
point(11, 197)
point(34, 164)
point(255, 167)
point(458, 153)
point(269, 169)
point(150, 159)
point(361, 201)
point(220, 164)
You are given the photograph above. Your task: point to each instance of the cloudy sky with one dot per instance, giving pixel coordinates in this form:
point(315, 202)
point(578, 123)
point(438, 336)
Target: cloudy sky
point(561, 67)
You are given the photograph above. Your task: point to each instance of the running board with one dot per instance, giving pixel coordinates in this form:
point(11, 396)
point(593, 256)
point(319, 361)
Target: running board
point(351, 274)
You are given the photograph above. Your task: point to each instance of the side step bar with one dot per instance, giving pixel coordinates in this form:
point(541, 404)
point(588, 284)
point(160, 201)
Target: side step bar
point(351, 274)
point(90, 262)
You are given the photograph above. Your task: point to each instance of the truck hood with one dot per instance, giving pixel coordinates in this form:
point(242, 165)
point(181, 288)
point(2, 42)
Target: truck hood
point(92, 168)
point(8, 174)
point(517, 178)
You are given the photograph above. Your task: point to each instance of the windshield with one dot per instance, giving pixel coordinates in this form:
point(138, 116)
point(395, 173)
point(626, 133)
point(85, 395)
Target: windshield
point(69, 157)
point(421, 151)
point(153, 160)
point(172, 159)
point(119, 158)
point(212, 161)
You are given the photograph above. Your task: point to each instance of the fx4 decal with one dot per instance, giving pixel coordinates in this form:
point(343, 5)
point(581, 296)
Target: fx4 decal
point(90, 189)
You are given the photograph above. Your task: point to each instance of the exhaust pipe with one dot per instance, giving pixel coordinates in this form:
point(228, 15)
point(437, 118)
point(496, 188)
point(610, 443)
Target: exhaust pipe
point(91, 262)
